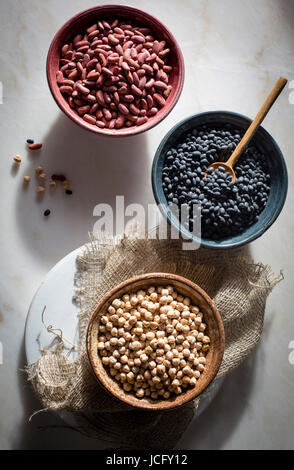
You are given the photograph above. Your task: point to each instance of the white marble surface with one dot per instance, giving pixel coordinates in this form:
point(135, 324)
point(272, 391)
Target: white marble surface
point(234, 50)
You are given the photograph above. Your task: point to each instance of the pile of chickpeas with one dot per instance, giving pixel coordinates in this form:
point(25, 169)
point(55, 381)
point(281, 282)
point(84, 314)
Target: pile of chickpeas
point(153, 343)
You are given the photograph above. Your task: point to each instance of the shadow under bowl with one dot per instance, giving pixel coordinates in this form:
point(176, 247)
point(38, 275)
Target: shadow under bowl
point(215, 331)
point(265, 144)
point(78, 24)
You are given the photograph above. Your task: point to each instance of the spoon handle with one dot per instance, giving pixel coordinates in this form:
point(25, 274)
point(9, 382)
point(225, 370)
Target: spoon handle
point(279, 86)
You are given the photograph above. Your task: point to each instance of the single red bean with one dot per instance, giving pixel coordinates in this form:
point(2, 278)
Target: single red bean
point(93, 34)
point(68, 82)
point(107, 98)
point(128, 98)
point(107, 114)
point(106, 71)
point(147, 68)
point(149, 101)
point(90, 119)
point(123, 109)
point(91, 64)
point(66, 89)
point(136, 90)
point(134, 109)
point(83, 89)
point(94, 108)
point(112, 124)
point(83, 109)
point(93, 75)
point(149, 84)
point(142, 120)
point(160, 85)
point(119, 122)
point(92, 28)
point(164, 53)
point(59, 77)
point(138, 39)
point(159, 99)
point(113, 40)
point(166, 93)
point(100, 97)
point(100, 124)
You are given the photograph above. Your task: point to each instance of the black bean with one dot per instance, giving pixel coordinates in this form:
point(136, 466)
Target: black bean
point(47, 212)
point(227, 207)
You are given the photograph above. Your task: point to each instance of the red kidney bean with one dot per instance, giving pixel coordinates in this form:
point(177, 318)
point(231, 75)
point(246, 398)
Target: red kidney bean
point(136, 90)
point(83, 89)
point(90, 119)
point(123, 109)
point(142, 120)
point(83, 109)
point(66, 89)
point(160, 85)
point(150, 83)
point(115, 75)
point(159, 99)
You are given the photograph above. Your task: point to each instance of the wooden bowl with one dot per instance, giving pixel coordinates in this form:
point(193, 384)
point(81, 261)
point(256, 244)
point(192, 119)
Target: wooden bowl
point(83, 20)
point(215, 330)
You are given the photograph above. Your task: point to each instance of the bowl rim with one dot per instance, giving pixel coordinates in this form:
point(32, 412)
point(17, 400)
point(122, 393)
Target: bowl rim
point(180, 399)
point(160, 198)
point(117, 132)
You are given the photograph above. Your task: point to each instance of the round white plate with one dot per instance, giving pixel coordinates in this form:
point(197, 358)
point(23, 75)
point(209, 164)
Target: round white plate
point(56, 294)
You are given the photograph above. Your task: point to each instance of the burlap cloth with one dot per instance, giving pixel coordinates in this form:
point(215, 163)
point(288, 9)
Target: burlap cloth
point(238, 286)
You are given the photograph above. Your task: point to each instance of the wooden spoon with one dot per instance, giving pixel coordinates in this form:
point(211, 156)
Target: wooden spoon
point(230, 163)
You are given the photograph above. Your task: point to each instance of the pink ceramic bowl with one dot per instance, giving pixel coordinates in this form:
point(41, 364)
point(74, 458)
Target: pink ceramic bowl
point(83, 20)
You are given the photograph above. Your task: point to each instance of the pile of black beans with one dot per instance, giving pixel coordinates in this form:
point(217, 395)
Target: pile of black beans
point(227, 208)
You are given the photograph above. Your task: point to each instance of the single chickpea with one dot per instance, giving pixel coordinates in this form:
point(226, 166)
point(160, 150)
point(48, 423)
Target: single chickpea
point(163, 300)
point(200, 367)
point(116, 303)
point(111, 310)
point(121, 321)
point(151, 290)
point(175, 383)
point(172, 372)
point(186, 379)
point(105, 360)
point(140, 393)
point(154, 296)
point(127, 387)
point(160, 369)
point(148, 316)
point(156, 380)
point(134, 300)
point(112, 360)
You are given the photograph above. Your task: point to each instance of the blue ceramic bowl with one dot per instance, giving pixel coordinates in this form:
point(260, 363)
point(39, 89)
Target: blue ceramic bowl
point(262, 140)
